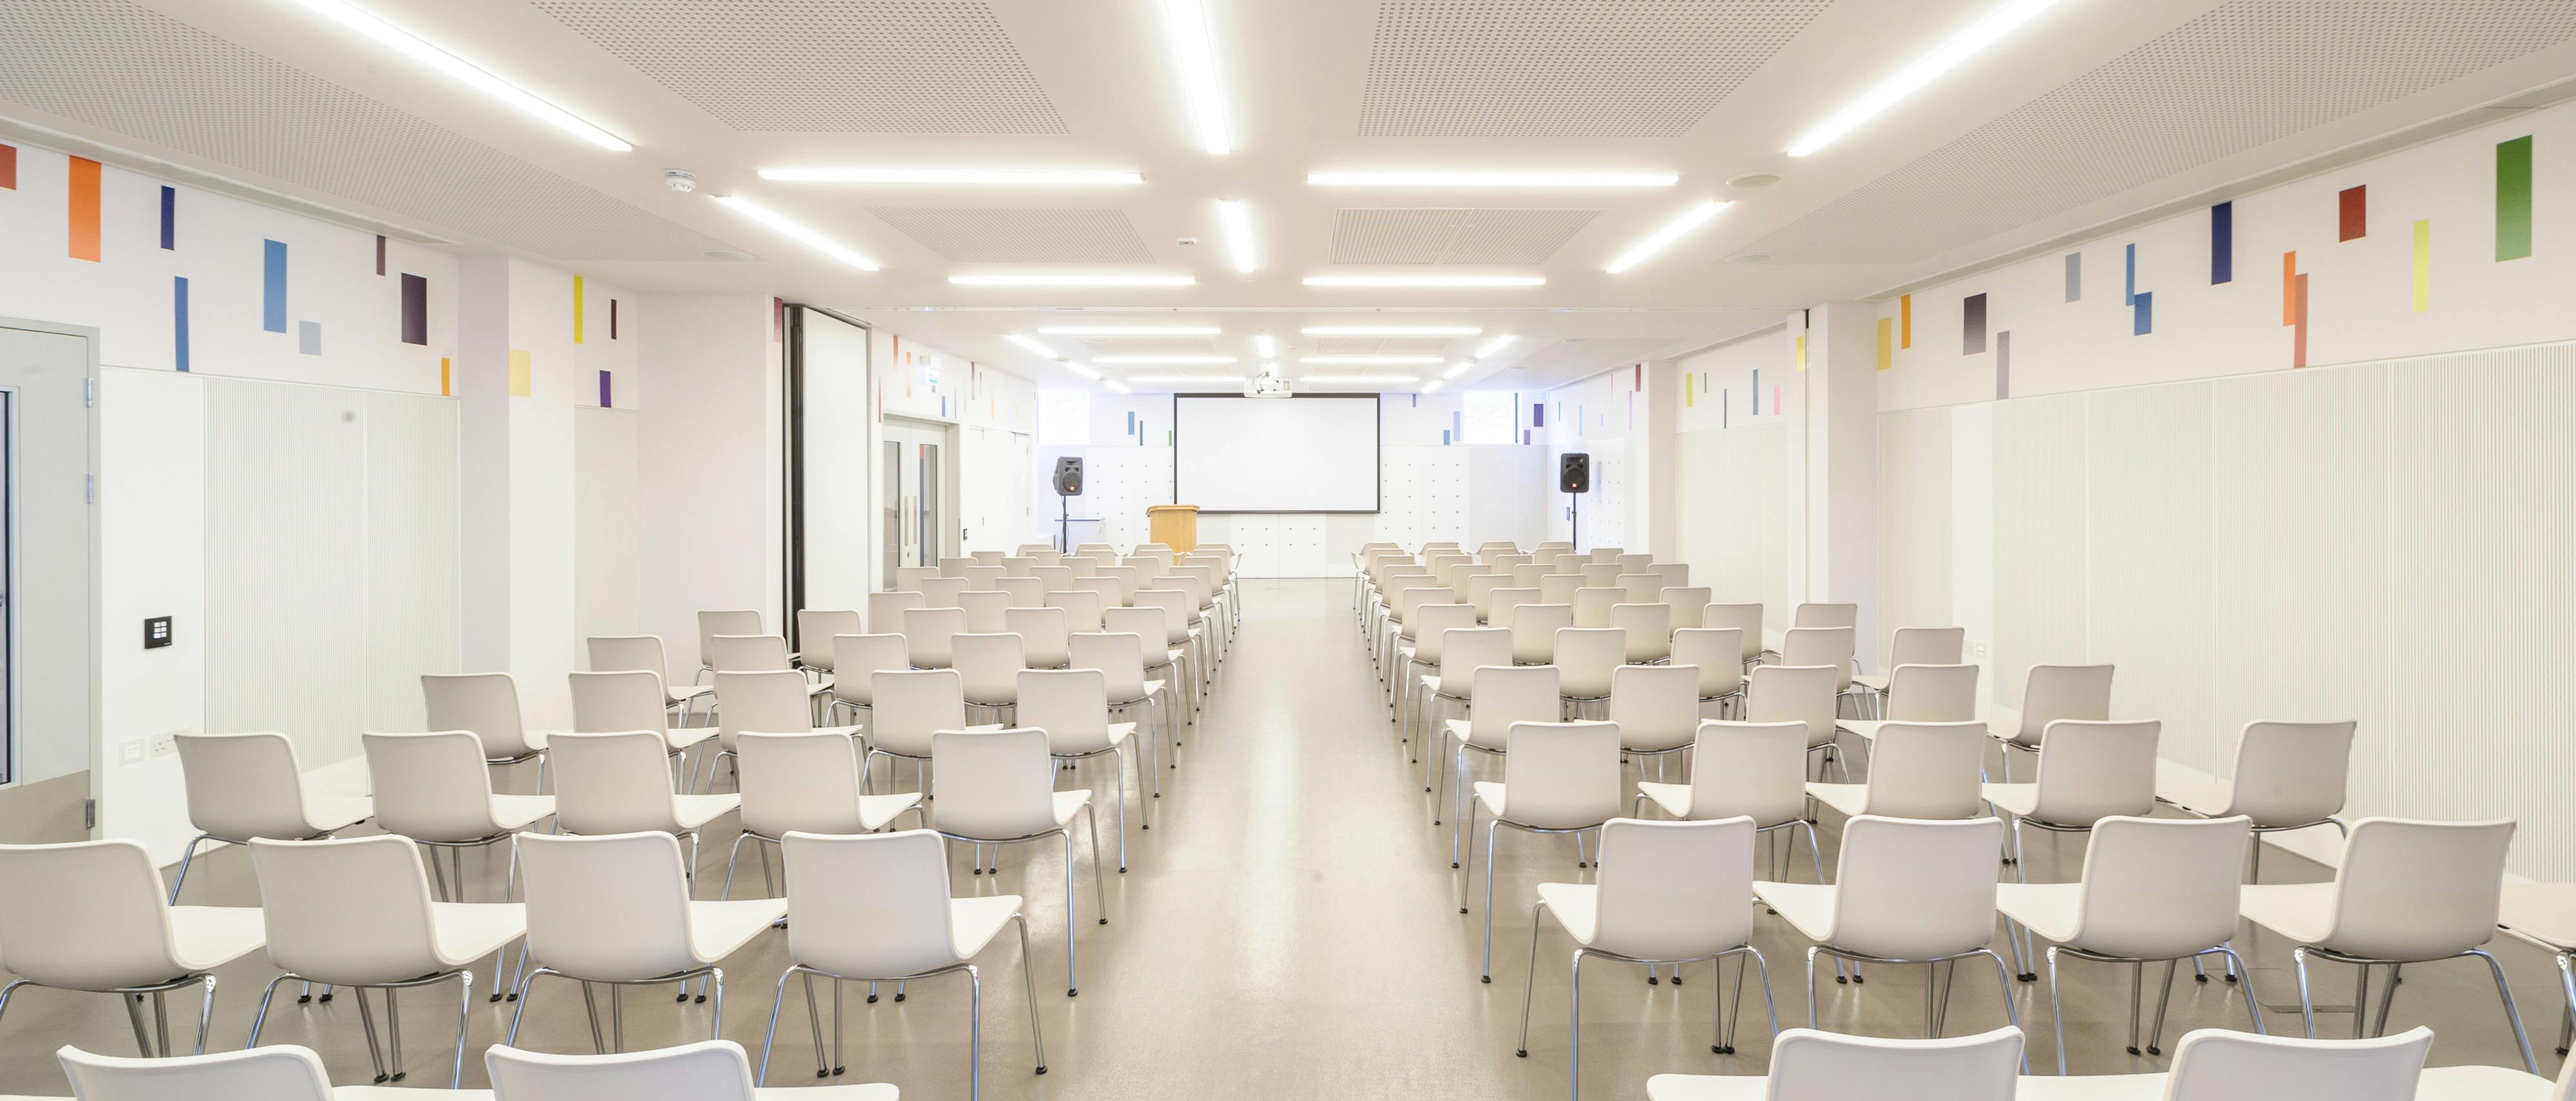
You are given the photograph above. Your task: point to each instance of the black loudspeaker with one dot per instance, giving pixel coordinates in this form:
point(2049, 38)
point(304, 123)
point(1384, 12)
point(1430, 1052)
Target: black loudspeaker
point(1068, 477)
point(1574, 473)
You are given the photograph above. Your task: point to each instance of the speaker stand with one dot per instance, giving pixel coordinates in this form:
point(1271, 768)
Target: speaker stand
point(1063, 525)
point(1574, 519)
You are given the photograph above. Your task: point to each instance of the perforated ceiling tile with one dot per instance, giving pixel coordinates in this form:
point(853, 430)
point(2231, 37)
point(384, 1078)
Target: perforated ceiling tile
point(1154, 346)
point(1597, 353)
point(2238, 76)
point(1379, 345)
point(1565, 68)
point(135, 71)
point(1012, 235)
point(1439, 235)
point(874, 66)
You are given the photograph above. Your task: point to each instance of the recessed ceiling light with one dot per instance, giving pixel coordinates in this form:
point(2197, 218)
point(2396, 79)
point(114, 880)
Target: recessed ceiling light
point(1361, 380)
point(1665, 235)
point(1131, 330)
point(1426, 281)
point(1459, 368)
point(1266, 344)
point(464, 72)
point(1116, 385)
point(1749, 258)
point(1390, 330)
point(1754, 179)
point(1186, 380)
point(1957, 48)
point(1368, 360)
point(1079, 369)
point(1071, 280)
point(1027, 177)
point(1031, 345)
point(1495, 345)
point(1236, 218)
point(1167, 360)
point(1491, 179)
point(1430, 386)
point(792, 228)
point(1194, 55)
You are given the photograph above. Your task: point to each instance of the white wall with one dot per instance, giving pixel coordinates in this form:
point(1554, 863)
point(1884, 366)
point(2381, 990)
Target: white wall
point(608, 524)
point(151, 432)
point(840, 468)
point(711, 443)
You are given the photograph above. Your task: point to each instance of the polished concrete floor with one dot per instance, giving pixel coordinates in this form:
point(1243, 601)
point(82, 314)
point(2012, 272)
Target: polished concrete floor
point(1290, 928)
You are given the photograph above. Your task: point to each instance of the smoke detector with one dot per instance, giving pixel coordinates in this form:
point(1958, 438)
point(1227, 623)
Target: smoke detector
point(680, 180)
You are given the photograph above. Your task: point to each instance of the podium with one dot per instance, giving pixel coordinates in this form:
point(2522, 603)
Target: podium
point(1174, 526)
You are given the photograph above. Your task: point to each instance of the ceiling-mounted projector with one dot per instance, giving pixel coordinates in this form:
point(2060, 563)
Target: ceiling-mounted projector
point(1268, 386)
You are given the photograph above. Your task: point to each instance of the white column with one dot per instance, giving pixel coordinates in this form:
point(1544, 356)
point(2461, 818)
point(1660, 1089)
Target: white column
point(1841, 477)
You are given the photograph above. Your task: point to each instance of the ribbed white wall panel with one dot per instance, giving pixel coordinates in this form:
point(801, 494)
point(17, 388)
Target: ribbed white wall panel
point(1914, 530)
point(1734, 498)
point(2039, 507)
point(2147, 551)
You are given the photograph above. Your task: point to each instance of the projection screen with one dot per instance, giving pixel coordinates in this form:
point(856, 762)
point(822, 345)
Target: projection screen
point(1300, 454)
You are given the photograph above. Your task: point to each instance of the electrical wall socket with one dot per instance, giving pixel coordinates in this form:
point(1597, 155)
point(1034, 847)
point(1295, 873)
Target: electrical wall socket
point(1977, 650)
point(130, 753)
point(167, 742)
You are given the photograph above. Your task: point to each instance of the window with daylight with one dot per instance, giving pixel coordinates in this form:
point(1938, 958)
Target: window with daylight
point(1064, 418)
point(1489, 417)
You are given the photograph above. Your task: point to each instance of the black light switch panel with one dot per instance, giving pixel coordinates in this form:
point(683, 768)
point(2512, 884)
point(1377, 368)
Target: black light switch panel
point(156, 632)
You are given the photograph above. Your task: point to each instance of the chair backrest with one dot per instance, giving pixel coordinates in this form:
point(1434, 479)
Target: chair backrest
point(993, 784)
point(283, 1072)
point(1820, 646)
point(1606, 554)
point(1675, 890)
point(1689, 603)
point(1500, 601)
point(928, 635)
point(1909, 889)
point(1018, 563)
point(1636, 563)
point(855, 657)
point(1592, 605)
point(1558, 588)
point(1785, 693)
point(1507, 695)
point(1534, 627)
point(1129, 579)
point(1758, 770)
point(1825, 615)
point(485, 703)
point(88, 915)
point(1675, 575)
point(1045, 635)
point(1562, 775)
point(1642, 588)
point(747, 653)
point(1808, 1065)
point(990, 665)
point(2101, 769)
point(1024, 591)
point(242, 786)
point(2411, 890)
point(988, 557)
point(1430, 621)
point(1927, 646)
point(1418, 597)
point(985, 609)
point(630, 699)
point(1600, 575)
point(956, 566)
point(1480, 591)
point(1927, 770)
point(352, 910)
point(869, 905)
point(2157, 888)
point(1656, 707)
point(430, 787)
point(981, 577)
point(1712, 651)
point(1118, 656)
point(1585, 657)
point(1053, 578)
point(1464, 650)
point(1649, 627)
point(885, 611)
point(2055, 692)
point(911, 705)
point(909, 578)
point(1933, 693)
point(773, 701)
point(1176, 608)
point(734, 622)
point(1148, 624)
point(613, 906)
point(1743, 617)
point(1527, 574)
point(2291, 774)
point(815, 630)
point(612, 782)
point(806, 781)
point(942, 592)
point(1071, 705)
point(1081, 607)
point(2217, 1065)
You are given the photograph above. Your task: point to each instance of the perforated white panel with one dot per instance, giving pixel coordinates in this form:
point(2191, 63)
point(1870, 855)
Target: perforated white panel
point(1118, 482)
point(127, 68)
point(1565, 68)
point(1439, 235)
point(1003, 235)
point(1425, 495)
point(879, 66)
point(2241, 75)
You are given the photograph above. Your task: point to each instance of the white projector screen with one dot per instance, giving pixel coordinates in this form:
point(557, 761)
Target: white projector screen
point(1300, 454)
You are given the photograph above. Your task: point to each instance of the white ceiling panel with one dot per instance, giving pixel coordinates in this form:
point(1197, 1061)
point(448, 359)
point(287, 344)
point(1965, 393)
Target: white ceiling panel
point(1423, 235)
point(1022, 235)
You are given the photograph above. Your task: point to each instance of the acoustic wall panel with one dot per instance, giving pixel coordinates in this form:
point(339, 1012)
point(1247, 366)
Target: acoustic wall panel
point(1914, 530)
point(1733, 532)
point(2039, 539)
point(2147, 481)
point(413, 601)
point(608, 524)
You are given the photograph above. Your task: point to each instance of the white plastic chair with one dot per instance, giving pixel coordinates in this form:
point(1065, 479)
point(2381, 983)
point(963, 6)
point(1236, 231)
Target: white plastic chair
point(1832, 646)
point(759, 653)
point(435, 789)
point(909, 578)
point(885, 612)
point(1081, 607)
point(1642, 586)
point(488, 705)
point(624, 653)
point(356, 912)
point(1656, 708)
point(613, 783)
point(927, 634)
point(1746, 618)
point(856, 659)
point(772, 701)
point(1918, 770)
point(1916, 646)
point(815, 630)
point(1509, 694)
point(1430, 627)
point(282, 1073)
point(1557, 778)
point(1585, 659)
point(1808, 1065)
point(242, 786)
point(1825, 615)
point(1120, 659)
point(1072, 706)
point(626, 700)
point(2051, 693)
point(986, 610)
point(1534, 627)
point(89, 916)
point(1798, 693)
point(1920, 694)
point(2099, 770)
point(2288, 776)
point(1024, 590)
point(997, 787)
point(955, 565)
point(1752, 770)
point(731, 622)
point(1650, 631)
point(1160, 662)
point(988, 667)
point(1689, 601)
point(943, 592)
point(1592, 605)
point(806, 781)
point(2217, 1065)
point(1713, 651)
point(910, 706)
point(1046, 635)
point(1458, 651)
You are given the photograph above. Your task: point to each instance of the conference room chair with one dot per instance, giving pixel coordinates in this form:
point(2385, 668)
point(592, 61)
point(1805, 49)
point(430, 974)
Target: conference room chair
point(1129, 579)
point(1432, 624)
point(1510, 560)
point(1920, 694)
point(355, 913)
point(1463, 649)
point(877, 908)
point(1919, 770)
point(1674, 575)
point(1201, 582)
point(989, 666)
point(1904, 891)
point(1399, 630)
point(1510, 694)
point(1161, 551)
point(1825, 615)
point(1389, 591)
point(1642, 588)
point(1045, 635)
point(1656, 708)
point(241, 786)
point(616, 910)
point(1914, 646)
point(88, 916)
point(1158, 668)
point(1480, 592)
point(735, 622)
point(815, 630)
point(608, 784)
point(1592, 605)
point(1650, 631)
point(1534, 626)
point(1558, 778)
point(1798, 693)
point(1181, 636)
point(2099, 770)
point(761, 653)
point(2404, 892)
point(1087, 548)
point(943, 592)
point(1553, 545)
point(1635, 563)
point(2052, 693)
point(928, 635)
point(885, 611)
point(771, 701)
point(855, 660)
point(1502, 598)
point(1753, 770)
point(1711, 651)
point(631, 700)
point(984, 609)
point(1018, 563)
point(1585, 659)
point(997, 787)
point(1025, 592)
point(988, 557)
point(1809, 1065)
point(1742, 617)
point(2152, 890)
point(910, 706)
point(1559, 588)
point(1607, 555)
point(1120, 657)
point(982, 577)
point(807, 781)
point(1599, 575)
point(955, 566)
point(1193, 604)
point(1822, 646)
point(1690, 603)
point(2288, 776)
point(488, 705)
point(1111, 591)
point(1082, 607)
point(1496, 546)
point(1526, 575)
point(1072, 707)
point(435, 789)
point(2544, 915)
point(1053, 578)
point(910, 577)
point(1677, 893)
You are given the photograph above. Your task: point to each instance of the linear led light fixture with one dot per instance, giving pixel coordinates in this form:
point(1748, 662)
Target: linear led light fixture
point(1186, 380)
point(1360, 380)
point(797, 230)
point(1116, 385)
point(1944, 57)
point(1665, 235)
point(1040, 280)
point(1164, 360)
point(1194, 59)
point(1079, 369)
point(1026, 177)
point(1458, 368)
point(1266, 344)
point(1426, 281)
point(1236, 218)
point(1430, 386)
point(1029, 344)
point(464, 72)
point(1391, 330)
point(1131, 330)
point(1491, 179)
point(1368, 360)
point(1495, 345)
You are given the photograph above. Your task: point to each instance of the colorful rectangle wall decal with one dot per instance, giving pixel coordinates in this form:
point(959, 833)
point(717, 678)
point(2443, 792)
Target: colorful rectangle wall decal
point(2074, 276)
point(2513, 198)
point(523, 371)
point(2289, 288)
point(2352, 213)
point(2423, 265)
point(604, 403)
point(169, 218)
point(1756, 393)
point(272, 283)
point(82, 236)
point(1972, 325)
point(8, 168)
point(2003, 365)
point(1905, 321)
point(2222, 243)
point(308, 338)
point(1802, 351)
point(446, 377)
point(2299, 331)
point(415, 309)
point(576, 309)
point(2142, 319)
point(612, 319)
point(2129, 276)
point(380, 254)
point(179, 321)
point(1886, 343)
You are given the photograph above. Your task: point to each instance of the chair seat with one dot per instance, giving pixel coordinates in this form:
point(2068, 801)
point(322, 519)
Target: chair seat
point(877, 810)
point(2479, 1083)
point(973, 922)
point(2303, 912)
point(1153, 688)
point(683, 737)
point(1674, 798)
point(2545, 912)
point(683, 693)
point(1869, 681)
point(208, 937)
point(1809, 907)
point(850, 731)
point(693, 811)
point(1864, 729)
point(517, 812)
point(1851, 799)
point(468, 931)
point(2049, 909)
point(719, 929)
point(1465, 731)
point(819, 686)
point(1112, 734)
point(1070, 803)
point(333, 813)
point(2201, 795)
point(536, 739)
point(2014, 799)
point(1577, 906)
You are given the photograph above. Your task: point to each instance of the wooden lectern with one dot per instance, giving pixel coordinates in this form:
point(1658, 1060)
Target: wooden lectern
point(1174, 526)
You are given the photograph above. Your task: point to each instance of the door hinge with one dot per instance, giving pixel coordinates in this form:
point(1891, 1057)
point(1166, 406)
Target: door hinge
point(89, 391)
point(89, 488)
point(89, 814)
